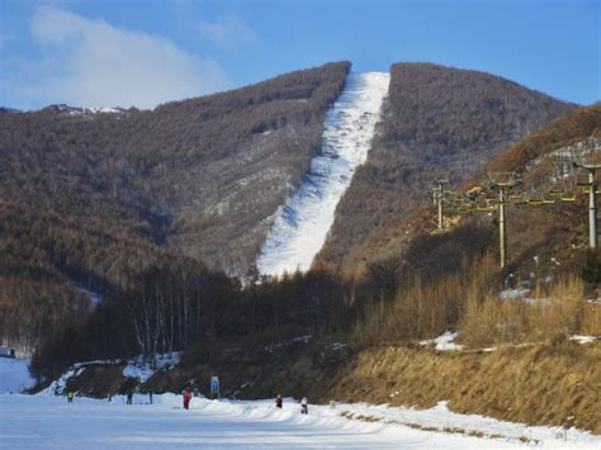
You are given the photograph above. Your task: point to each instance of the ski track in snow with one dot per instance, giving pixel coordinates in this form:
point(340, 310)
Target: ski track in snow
point(301, 225)
point(43, 422)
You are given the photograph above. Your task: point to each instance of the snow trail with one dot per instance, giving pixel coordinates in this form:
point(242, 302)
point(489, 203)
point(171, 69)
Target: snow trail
point(42, 422)
point(301, 226)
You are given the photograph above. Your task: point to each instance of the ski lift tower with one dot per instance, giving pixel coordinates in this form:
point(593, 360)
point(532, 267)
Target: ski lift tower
point(438, 195)
point(502, 181)
point(592, 201)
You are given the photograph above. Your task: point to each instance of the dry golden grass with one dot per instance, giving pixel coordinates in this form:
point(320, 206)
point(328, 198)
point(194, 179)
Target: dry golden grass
point(426, 310)
point(538, 384)
point(551, 316)
point(469, 302)
point(591, 320)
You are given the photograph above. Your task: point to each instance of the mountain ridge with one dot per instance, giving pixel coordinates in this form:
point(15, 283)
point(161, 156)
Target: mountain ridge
point(437, 122)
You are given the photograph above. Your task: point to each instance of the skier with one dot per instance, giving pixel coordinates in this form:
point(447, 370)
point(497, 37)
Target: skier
point(187, 397)
point(70, 397)
point(304, 406)
point(130, 396)
point(278, 401)
point(150, 396)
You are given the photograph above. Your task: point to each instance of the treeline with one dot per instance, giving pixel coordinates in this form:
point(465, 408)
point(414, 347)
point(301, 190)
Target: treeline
point(164, 308)
point(214, 166)
point(173, 305)
point(151, 300)
point(179, 304)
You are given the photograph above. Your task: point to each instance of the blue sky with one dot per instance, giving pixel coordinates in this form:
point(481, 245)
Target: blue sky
point(145, 52)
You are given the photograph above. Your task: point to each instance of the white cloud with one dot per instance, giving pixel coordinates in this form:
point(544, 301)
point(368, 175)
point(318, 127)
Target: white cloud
point(89, 62)
point(229, 32)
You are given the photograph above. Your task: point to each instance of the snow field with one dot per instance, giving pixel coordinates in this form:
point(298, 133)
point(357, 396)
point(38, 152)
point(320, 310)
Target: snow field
point(14, 375)
point(301, 225)
point(48, 422)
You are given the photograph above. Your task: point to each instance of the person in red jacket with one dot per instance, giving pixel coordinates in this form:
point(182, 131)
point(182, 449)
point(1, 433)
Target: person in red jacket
point(187, 397)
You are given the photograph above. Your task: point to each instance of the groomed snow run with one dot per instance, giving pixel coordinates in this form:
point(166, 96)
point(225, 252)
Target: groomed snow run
point(301, 225)
point(43, 422)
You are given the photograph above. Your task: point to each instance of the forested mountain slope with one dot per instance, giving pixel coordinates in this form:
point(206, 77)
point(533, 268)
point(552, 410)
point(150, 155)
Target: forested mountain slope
point(544, 239)
point(438, 122)
point(49, 265)
point(202, 176)
point(91, 199)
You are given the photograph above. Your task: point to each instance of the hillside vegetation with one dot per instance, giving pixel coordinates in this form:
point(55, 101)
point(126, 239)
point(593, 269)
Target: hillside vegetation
point(202, 176)
point(451, 279)
point(550, 385)
point(438, 122)
point(49, 265)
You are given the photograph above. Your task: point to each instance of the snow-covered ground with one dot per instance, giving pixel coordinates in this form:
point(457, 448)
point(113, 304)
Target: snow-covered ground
point(47, 422)
point(301, 226)
point(14, 375)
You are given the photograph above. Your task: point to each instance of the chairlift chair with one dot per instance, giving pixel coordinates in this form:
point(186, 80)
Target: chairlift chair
point(535, 202)
point(568, 197)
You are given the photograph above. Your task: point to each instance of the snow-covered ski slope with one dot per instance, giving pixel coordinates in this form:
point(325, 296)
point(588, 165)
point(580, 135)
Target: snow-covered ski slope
point(46, 422)
point(301, 225)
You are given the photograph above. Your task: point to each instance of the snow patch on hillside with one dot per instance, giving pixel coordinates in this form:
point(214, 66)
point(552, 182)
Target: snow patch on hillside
point(142, 370)
point(583, 339)
point(444, 342)
point(301, 225)
point(138, 367)
point(77, 111)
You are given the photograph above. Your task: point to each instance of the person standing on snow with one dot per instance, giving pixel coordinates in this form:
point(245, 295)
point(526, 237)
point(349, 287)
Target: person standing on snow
point(130, 396)
point(70, 397)
point(187, 397)
point(278, 401)
point(304, 406)
point(215, 388)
